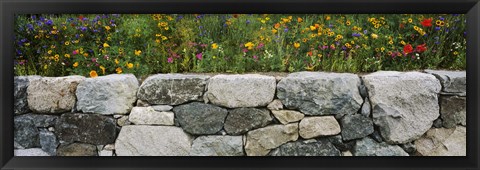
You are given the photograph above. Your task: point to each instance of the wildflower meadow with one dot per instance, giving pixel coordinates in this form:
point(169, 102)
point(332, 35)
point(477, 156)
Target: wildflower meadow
point(100, 44)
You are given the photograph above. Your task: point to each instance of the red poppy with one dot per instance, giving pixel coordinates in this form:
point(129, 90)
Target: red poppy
point(80, 17)
point(407, 49)
point(421, 48)
point(402, 26)
point(427, 22)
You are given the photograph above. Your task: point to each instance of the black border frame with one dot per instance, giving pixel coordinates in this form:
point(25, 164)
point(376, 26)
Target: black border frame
point(10, 7)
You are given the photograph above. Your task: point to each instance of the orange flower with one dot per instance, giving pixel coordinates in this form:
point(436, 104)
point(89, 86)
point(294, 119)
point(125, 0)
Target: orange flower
point(119, 70)
point(93, 74)
point(299, 19)
point(277, 25)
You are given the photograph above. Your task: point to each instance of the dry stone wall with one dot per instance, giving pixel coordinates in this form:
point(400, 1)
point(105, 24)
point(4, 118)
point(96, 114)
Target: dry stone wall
point(384, 113)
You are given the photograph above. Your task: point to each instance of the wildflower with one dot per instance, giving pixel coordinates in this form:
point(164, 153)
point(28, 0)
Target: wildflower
point(244, 50)
point(260, 45)
point(170, 60)
point(348, 23)
point(374, 36)
point(299, 20)
point(93, 74)
point(45, 67)
point(382, 49)
point(85, 54)
point(305, 40)
point(402, 42)
point(249, 45)
point(255, 57)
point(129, 65)
point(313, 28)
point(138, 52)
point(274, 31)
point(107, 28)
point(407, 49)
point(49, 51)
point(455, 53)
point(75, 52)
point(277, 25)
point(119, 70)
point(67, 55)
point(427, 22)
point(103, 69)
point(390, 42)
point(105, 45)
point(285, 30)
point(421, 48)
point(296, 45)
point(327, 17)
point(356, 35)
point(199, 56)
point(410, 20)
point(75, 64)
point(214, 46)
point(67, 43)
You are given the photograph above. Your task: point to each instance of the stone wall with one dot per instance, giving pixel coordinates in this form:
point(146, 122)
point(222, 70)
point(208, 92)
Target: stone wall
point(303, 114)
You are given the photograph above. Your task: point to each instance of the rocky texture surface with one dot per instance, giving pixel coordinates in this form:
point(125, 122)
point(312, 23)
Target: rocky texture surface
point(148, 116)
point(452, 81)
point(53, 94)
point(30, 152)
point(233, 91)
point(340, 144)
point(217, 146)
point(261, 141)
point(443, 142)
point(275, 105)
point(306, 148)
point(20, 85)
point(318, 93)
point(287, 116)
point(311, 127)
point(200, 118)
point(369, 147)
point(453, 111)
point(404, 104)
point(25, 132)
point(86, 128)
point(140, 140)
point(162, 108)
point(172, 89)
point(356, 126)
point(48, 141)
point(77, 149)
point(366, 108)
point(107, 95)
point(241, 120)
point(39, 120)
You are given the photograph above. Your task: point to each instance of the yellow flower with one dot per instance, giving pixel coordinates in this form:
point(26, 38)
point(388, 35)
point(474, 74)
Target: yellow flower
point(103, 69)
point(327, 17)
point(116, 61)
point(390, 42)
point(138, 52)
point(296, 45)
point(313, 28)
point(93, 74)
point(455, 53)
point(299, 20)
point(105, 45)
point(85, 54)
point(249, 45)
point(75, 64)
point(339, 36)
point(119, 70)
point(67, 55)
point(107, 28)
point(274, 31)
point(49, 51)
point(67, 43)
point(164, 38)
point(214, 46)
point(374, 36)
point(410, 20)
point(129, 65)
point(348, 23)
point(45, 67)
point(304, 40)
point(382, 49)
point(313, 35)
point(402, 42)
point(162, 24)
point(214, 57)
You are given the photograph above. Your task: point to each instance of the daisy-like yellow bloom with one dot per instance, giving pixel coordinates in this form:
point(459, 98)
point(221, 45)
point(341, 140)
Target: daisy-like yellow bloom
point(49, 51)
point(296, 45)
point(348, 23)
point(45, 67)
point(455, 53)
point(214, 46)
point(305, 40)
point(67, 43)
point(75, 64)
point(119, 70)
point(410, 20)
point(164, 38)
point(374, 36)
point(129, 65)
point(67, 55)
point(390, 42)
point(274, 31)
point(105, 45)
point(116, 61)
point(107, 28)
point(93, 74)
point(138, 52)
point(313, 28)
point(382, 49)
point(249, 45)
point(402, 42)
point(103, 69)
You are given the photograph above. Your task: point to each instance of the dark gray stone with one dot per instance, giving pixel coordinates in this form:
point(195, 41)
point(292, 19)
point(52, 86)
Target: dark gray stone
point(366, 108)
point(377, 136)
point(452, 81)
point(172, 89)
point(356, 126)
point(20, 85)
point(48, 141)
point(363, 91)
point(86, 128)
point(40, 121)
point(25, 133)
point(453, 111)
point(369, 147)
point(200, 118)
point(306, 148)
point(77, 149)
point(340, 144)
point(242, 120)
point(319, 93)
point(438, 123)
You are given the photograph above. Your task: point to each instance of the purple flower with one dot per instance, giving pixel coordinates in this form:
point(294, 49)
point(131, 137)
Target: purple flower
point(365, 31)
point(199, 56)
point(49, 22)
point(170, 60)
point(437, 28)
point(285, 30)
point(94, 60)
point(441, 18)
point(23, 40)
point(356, 34)
point(255, 57)
point(30, 27)
point(260, 45)
point(245, 50)
point(83, 29)
point(248, 21)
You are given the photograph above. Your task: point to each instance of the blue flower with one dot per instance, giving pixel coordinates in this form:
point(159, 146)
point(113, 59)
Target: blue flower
point(285, 30)
point(365, 31)
point(356, 34)
point(248, 21)
point(49, 22)
point(437, 28)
